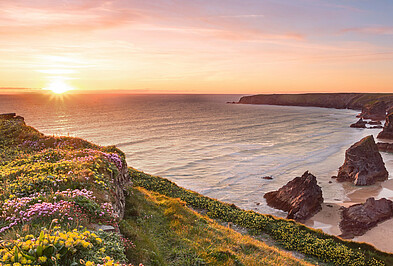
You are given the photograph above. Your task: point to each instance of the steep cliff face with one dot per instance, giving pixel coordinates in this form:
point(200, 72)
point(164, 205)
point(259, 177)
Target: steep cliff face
point(122, 181)
point(354, 101)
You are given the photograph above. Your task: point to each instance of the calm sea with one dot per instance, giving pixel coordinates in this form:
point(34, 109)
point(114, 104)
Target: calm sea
point(201, 143)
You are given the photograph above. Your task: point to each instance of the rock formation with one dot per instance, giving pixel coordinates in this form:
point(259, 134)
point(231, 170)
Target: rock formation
point(301, 197)
point(358, 218)
point(359, 124)
point(375, 111)
point(386, 147)
point(363, 164)
point(387, 132)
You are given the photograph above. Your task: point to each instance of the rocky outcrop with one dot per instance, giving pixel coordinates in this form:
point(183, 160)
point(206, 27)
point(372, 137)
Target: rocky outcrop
point(386, 147)
point(387, 131)
point(11, 116)
point(375, 111)
point(359, 124)
point(355, 101)
point(358, 218)
point(363, 164)
point(121, 181)
point(301, 197)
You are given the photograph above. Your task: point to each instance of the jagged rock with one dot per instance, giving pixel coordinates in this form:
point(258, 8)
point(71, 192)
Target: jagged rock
point(375, 123)
point(363, 164)
point(359, 124)
point(301, 197)
point(358, 218)
point(121, 182)
point(373, 127)
point(375, 111)
point(387, 132)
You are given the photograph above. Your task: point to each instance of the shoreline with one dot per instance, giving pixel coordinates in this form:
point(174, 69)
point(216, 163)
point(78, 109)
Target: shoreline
point(328, 218)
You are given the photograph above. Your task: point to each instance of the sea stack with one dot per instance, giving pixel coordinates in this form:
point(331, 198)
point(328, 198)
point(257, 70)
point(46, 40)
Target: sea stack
point(301, 197)
point(363, 164)
point(387, 132)
point(358, 218)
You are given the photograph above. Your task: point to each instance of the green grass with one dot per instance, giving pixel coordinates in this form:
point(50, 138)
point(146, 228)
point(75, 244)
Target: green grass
point(165, 232)
point(288, 233)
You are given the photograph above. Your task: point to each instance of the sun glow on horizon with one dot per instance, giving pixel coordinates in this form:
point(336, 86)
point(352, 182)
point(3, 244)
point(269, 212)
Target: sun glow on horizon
point(58, 87)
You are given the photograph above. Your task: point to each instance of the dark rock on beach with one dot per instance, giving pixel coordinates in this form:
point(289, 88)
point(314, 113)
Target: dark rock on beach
point(301, 197)
point(363, 164)
point(358, 218)
point(267, 177)
point(359, 124)
point(387, 132)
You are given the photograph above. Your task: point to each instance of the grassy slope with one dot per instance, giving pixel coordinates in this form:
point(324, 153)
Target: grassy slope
point(165, 232)
point(290, 235)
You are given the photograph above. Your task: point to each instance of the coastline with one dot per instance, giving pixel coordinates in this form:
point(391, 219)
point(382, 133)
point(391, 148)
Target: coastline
point(328, 219)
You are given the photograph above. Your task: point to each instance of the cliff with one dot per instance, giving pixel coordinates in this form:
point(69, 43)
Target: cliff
point(356, 101)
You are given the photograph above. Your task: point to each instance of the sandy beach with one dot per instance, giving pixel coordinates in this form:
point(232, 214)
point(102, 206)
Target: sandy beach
point(328, 218)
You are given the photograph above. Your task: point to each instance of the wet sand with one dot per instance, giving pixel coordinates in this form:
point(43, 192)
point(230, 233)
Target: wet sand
point(328, 218)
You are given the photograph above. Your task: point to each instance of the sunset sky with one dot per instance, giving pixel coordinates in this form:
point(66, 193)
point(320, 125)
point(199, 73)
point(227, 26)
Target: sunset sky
point(197, 46)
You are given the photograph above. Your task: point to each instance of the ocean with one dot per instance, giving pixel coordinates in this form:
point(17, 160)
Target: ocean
point(204, 144)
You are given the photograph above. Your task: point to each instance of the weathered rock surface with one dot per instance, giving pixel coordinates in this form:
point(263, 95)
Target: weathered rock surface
point(359, 124)
point(387, 132)
point(122, 181)
point(301, 197)
point(363, 164)
point(375, 111)
point(358, 218)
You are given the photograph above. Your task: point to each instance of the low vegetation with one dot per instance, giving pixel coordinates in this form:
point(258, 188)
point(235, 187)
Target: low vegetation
point(288, 233)
point(165, 232)
point(53, 191)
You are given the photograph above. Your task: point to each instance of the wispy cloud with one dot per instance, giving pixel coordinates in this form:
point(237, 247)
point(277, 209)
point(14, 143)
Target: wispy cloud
point(373, 30)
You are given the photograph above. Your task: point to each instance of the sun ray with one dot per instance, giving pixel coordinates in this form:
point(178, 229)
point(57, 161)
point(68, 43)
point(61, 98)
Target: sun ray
point(58, 87)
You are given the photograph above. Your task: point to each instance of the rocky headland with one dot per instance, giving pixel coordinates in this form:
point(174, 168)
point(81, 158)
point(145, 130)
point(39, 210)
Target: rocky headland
point(363, 164)
point(301, 197)
point(372, 105)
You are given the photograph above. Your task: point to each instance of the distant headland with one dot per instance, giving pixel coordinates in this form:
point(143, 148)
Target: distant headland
point(373, 105)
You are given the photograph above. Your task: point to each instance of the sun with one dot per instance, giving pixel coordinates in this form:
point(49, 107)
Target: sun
point(58, 87)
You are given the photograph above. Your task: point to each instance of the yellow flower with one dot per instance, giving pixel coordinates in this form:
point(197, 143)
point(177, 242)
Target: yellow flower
point(42, 259)
point(89, 263)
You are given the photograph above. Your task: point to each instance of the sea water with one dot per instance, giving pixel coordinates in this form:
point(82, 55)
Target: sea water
point(204, 144)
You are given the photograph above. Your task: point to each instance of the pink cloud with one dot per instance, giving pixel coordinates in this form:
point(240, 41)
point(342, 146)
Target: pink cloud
point(374, 30)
